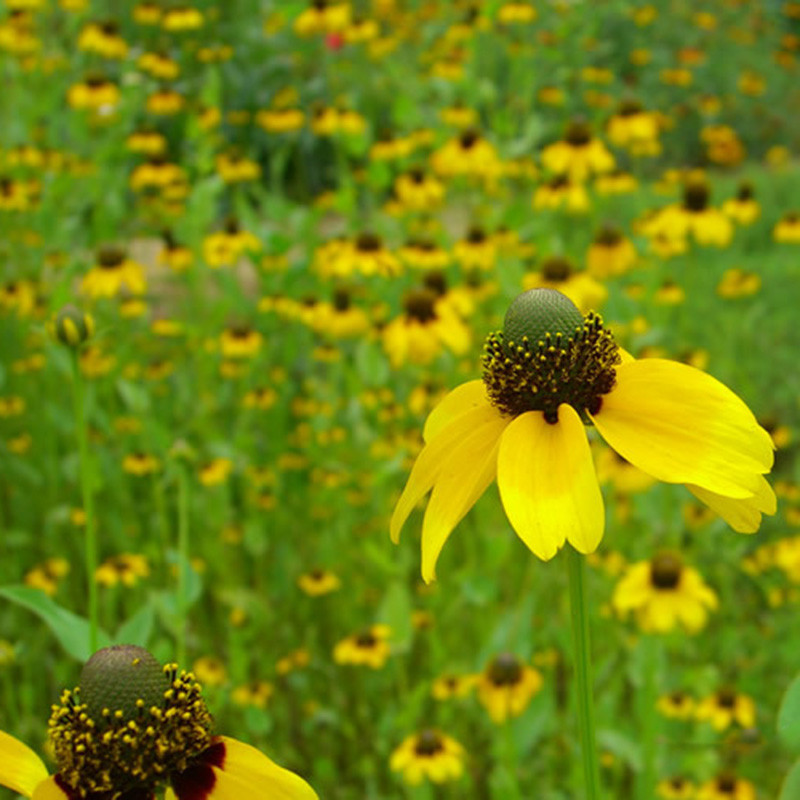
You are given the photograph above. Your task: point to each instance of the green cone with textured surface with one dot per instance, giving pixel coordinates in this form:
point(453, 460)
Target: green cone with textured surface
point(537, 312)
point(118, 677)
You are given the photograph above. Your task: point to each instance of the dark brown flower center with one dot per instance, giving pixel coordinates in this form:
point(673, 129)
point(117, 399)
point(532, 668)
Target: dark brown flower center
point(110, 257)
point(695, 196)
point(436, 282)
point(665, 571)
point(578, 134)
point(429, 742)
point(469, 139)
point(505, 670)
point(608, 235)
point(726, 698)
point(368, 243)
point(476, 235)
point(420, 305)
point(556, 269)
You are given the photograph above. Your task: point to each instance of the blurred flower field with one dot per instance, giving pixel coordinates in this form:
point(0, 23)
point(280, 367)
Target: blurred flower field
point(247, 248)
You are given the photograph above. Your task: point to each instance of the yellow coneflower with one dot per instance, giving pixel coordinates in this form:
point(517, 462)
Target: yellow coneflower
point(96, 93)
point(235, 168)
point(215, 472)
point(323, 16)
point(610, 253)
point(240, 341)
point(147, 141)
point(507, 686)
point(225, 248)
point(743, 208)
point(737, 282)
point(676, 705)
point(103, 39)
point(560, 192)
point(18, 297)
point(165, 102)
point(429, 755)
point(255, 694)
point(787, 229)
point(725, 707)
point(635, 129)
point(182, 18)
point(262, 398)
point(319, 582)
point(726, 787)
point(140, 464)
point(156, 173)
point(477, 250)
point(578, 155)
point(370, 648)
point(113, 272)
point(450, 685)
point(47, 575)
point(424, 254)
point(126, 568)
point(427, 326)
point(159, 66)
point(467, 155)
point(281, 120)
point(418, 191)
point(676, 788)
point(615, 182)
point(693, 217)
point(147, 12)
point(156, 732)
point(516, 13)
point(557, 272)
point(534, 443)
point(664, 593)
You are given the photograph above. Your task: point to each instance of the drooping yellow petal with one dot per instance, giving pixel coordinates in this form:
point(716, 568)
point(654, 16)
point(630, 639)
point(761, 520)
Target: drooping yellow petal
point(469, 468)
point(683, 426)
point(428, 465)
point(743, 515)
point(20, 768)
point(548, 485)
point(267, 779)
point(49, 790)
point(465, 397)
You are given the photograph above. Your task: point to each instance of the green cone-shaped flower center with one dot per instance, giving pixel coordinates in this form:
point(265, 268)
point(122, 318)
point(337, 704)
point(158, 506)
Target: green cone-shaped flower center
point(548, 354)
point(130, 725)
point(665, 571)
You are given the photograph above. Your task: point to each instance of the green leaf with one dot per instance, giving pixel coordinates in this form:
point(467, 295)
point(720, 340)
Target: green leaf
point(139, 628)
point(791, 786)
point(71, 630)
point(789, 716)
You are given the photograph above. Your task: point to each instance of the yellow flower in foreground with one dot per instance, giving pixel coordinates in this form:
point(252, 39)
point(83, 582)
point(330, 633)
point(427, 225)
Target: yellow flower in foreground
point(523, 424)
point(725, 707)
point(664, 593)
point(159, 733)
point(429, 754)
point(507, 686)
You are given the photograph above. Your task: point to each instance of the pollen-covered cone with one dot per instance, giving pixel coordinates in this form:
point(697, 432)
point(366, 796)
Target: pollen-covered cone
point(668, 419)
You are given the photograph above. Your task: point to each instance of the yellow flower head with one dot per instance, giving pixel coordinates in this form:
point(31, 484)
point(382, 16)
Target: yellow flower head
point(676, 705)
point(370, 648)
point(450, 685)
point(429, 755)
point(318, 582)
point(664, 593)
point(134, 727)
point(578, 155)
point(725, 707)
point(507, 686)
point(546, 373)
point(726, 787)
point(676, 788)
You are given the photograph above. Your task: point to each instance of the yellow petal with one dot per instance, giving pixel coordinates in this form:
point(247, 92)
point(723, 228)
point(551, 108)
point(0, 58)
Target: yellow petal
point(680, 425)
point(469, 468)
point(267, 779)
point(436, 453)
point(49, 790)
point(743, 515)
point(465, 397)
point(20, 768)
point(548, 485)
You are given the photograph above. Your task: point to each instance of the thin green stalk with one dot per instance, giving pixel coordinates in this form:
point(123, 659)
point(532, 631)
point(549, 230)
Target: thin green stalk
point(651, 667)
point(579, 613)
point(183, 559)
point(87, 493)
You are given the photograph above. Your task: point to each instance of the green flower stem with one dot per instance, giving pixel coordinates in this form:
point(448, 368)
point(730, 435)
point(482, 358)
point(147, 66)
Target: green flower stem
point(87, 493)
point(183, 559)
point(583, 671)
point(649, 720)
